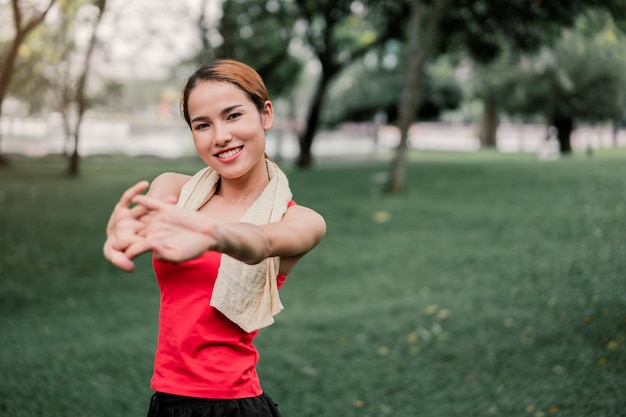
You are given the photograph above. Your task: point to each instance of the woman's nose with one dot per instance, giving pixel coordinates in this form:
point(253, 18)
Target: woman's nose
point(222, 135)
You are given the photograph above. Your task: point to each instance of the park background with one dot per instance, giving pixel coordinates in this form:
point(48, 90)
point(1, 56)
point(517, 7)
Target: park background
point(469, 158)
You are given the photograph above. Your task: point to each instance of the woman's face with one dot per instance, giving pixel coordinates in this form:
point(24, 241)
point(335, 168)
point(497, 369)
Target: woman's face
point(228, 130)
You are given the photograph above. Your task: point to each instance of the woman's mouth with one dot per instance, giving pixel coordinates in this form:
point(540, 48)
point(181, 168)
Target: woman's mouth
point(229, 153)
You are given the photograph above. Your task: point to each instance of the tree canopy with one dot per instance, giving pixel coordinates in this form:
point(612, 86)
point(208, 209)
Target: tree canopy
point(583, 77)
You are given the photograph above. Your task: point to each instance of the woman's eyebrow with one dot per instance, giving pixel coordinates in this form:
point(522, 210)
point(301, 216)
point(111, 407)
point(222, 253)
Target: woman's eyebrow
point(224, 112)
point(229, 109)
point(200, 119)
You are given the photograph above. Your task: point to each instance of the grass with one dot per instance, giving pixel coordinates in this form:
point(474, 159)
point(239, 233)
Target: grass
point(493, 286)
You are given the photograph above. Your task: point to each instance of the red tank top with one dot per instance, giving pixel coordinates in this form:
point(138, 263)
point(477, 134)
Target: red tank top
point(201, 353)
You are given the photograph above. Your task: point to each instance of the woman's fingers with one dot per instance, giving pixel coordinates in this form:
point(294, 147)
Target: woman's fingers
point(131, 235)
point(136, 189)
point(137, 212)
point(137, 248)
point(126, 229)
point(149, 203)
point(117, 258)
point(123, 262)
point(122, 208)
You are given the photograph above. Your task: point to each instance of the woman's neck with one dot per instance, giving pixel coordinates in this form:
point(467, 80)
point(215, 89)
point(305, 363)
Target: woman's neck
point(244, 189)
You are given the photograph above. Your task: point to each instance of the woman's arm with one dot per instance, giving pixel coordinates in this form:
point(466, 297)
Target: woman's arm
point(177, 235)
point(299, 231)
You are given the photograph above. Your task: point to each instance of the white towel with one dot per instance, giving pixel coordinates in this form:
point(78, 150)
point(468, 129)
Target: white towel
point(246, 294)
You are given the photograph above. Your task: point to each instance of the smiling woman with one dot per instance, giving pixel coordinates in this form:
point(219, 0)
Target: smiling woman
point(223, 243)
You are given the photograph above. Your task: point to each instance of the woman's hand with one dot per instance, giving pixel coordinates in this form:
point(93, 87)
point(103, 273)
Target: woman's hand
point(172, 233)
point(124, 228)
point(176, 234)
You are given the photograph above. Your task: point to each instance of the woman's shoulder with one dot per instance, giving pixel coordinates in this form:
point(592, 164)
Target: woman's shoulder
point(167, 184)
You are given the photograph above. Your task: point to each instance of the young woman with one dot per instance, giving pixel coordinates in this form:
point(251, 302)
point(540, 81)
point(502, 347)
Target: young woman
point(223, 242)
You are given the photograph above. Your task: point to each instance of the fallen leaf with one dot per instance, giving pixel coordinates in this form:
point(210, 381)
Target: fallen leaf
point(431, 309)
point(443, 314)
point(381, 217)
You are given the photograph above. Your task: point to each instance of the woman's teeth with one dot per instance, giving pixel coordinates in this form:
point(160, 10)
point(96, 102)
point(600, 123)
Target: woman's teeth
point(230, 153)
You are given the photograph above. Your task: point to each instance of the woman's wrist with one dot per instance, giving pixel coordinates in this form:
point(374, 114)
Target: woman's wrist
point(243, 241)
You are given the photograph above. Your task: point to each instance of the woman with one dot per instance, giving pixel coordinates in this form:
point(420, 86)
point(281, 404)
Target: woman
point(223, 242)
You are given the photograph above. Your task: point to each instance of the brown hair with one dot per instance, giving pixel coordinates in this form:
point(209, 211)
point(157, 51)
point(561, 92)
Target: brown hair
point(229, 71)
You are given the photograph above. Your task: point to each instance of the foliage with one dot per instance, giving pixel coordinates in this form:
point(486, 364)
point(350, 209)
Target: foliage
point(55, 78)
point(583, 77)
point(494, 287)
point(26, 17)
point(485, 28)
point(43, 79)
point(261, 33)
point(338, 33)
point(370, 87)
point(24, 22)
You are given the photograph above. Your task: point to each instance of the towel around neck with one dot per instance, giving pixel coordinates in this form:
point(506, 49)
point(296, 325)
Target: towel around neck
point(246, 294)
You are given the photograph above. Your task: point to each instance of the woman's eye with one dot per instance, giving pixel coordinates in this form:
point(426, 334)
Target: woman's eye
point(201, 126)
point(233, 116)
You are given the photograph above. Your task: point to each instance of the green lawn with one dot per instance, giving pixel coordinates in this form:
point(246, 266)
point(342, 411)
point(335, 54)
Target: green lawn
point(493, 286)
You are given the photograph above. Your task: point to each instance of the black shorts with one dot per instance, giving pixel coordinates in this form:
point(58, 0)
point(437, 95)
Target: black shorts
point(168, 405)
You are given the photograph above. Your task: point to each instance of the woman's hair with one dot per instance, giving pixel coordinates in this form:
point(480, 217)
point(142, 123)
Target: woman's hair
point(229, 71)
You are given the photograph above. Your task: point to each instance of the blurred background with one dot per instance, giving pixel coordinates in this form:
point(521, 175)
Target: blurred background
point(83, 77)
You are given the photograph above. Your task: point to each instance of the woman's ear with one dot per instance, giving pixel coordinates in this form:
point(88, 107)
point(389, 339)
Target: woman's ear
point(267, 115)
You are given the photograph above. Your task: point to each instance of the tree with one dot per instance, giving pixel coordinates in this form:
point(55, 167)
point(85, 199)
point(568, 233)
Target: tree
point(23, 24)
point(420, 44)
point(582, 78)
point(46, 78)
point(382, 72)
point(484, 28)
point(339, 32)
point(259, 33)
point(54, 71)
point(513, 28)
point(80, 95)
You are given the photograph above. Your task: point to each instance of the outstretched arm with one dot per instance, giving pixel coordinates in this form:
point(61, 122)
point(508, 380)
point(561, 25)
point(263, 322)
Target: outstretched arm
point(177, 234)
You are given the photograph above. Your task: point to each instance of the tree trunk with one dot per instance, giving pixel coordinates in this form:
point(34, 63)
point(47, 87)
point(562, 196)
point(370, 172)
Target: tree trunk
point(418, 53)
point(80, 96)
point(564, 127)
point(305, 158)
point(4, 161)
point(73, 167)
point(67, 132)
point(489, 124)
point(5, 80)
point(8, 64)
